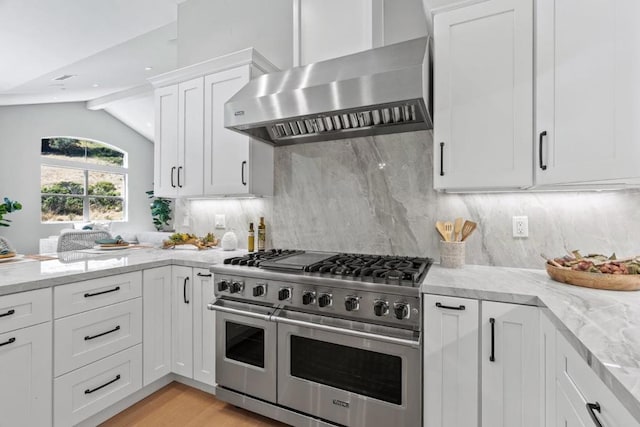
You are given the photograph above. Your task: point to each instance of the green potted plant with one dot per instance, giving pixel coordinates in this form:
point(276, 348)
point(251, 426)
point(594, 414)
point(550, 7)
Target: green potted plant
point(160, 211)
point(6, 207)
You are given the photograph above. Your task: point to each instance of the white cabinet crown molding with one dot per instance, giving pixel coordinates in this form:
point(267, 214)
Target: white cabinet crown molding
point(248, 56)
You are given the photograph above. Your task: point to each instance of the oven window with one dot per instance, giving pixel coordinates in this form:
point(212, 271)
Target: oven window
point(365, 372)
point(245, 344)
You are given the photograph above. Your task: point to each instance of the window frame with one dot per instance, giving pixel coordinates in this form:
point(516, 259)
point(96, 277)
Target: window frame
point(86, 168)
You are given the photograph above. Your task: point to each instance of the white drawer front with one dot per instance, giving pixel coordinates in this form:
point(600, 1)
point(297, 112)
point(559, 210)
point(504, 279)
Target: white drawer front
point(581, 386)
point(82, 296)
point(88, 390)
point(24, 309)
point(86, 337)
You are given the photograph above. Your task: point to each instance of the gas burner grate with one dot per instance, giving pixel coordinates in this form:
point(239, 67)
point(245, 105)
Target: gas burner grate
point(254, 259)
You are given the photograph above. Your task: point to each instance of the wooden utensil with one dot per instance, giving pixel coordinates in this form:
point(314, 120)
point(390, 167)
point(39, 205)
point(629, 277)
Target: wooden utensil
point(467, 229)
point(448, 229)
point(457, 229)
point(440, 228)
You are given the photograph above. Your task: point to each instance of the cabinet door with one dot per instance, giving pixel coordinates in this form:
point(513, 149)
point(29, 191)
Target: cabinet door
point(156, 323)
point(566, 415)
point(547, 372)
point(483, 96)
point(204, 328)
point(510, 366)
point(587, 90)
point(450, 361)
point(25, 370)
point(189, 176)
point(182, 321)
point(166, 142)
point(226, 153)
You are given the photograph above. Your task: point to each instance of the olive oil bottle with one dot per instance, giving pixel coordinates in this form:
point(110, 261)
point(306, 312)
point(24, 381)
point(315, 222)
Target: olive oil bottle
point(251, 241)
point(262, 234)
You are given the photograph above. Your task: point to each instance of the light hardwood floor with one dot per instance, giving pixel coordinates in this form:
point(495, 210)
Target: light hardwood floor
point(178, 405)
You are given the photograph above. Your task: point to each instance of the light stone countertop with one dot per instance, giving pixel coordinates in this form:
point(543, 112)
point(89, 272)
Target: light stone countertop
point(603, 326)
point(77, 266)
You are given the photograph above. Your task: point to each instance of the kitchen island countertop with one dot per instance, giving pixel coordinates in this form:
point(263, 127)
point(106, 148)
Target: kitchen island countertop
point(603, 326)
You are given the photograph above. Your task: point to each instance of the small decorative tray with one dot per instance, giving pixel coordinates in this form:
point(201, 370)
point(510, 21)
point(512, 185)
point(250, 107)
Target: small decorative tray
point(613, 282)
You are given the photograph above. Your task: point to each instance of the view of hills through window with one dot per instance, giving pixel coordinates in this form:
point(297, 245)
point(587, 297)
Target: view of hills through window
point(82, 180)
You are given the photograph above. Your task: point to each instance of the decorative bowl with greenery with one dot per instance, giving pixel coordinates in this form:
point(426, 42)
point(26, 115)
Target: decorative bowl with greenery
point(6, 207)
point(160, 211)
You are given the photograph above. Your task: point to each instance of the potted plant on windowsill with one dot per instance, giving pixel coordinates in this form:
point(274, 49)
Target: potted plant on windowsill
point(160, 212)
point(8, 206)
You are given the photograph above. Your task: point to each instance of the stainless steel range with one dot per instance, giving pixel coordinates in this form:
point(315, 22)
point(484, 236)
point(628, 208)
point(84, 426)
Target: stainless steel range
point(321, 339)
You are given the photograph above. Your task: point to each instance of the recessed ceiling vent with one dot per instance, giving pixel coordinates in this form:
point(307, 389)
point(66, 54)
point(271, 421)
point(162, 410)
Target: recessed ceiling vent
point(65, 77)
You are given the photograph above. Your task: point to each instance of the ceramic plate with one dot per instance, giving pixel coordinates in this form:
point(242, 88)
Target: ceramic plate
point(110, 248)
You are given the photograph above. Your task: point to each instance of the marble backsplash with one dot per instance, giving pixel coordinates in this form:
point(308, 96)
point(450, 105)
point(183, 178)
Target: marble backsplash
point(375, 195)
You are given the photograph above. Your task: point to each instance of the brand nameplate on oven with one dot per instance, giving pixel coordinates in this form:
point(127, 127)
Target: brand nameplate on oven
point(239, 113)
point(340, 403)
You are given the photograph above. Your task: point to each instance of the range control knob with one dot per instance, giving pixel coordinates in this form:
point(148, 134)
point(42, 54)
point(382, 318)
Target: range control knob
point(236, 287)
point(401, 310)
point(223, 285)
point(380, 308)
point(284, 294)
point(351, 303)
point(259, 290)
point(308, 298)
point(324, 300)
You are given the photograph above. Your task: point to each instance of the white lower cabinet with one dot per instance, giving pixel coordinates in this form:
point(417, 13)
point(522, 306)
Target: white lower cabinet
point(92, 388)
point(204, 328)
point(547, 386)
point(450, 361)
point(591, 402)
point(25, 373)
point(509, 363)
point(182, 321)
point(156, 335)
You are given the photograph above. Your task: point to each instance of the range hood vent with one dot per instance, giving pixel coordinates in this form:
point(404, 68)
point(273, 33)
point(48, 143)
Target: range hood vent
point(379, 91)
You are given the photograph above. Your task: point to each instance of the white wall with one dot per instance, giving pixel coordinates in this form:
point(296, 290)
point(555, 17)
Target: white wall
point(21, 130)
point(403, 20)
point(211, 28)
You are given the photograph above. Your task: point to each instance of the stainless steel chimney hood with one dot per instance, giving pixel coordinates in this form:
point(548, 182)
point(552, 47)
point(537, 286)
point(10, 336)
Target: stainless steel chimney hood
point(378, 91)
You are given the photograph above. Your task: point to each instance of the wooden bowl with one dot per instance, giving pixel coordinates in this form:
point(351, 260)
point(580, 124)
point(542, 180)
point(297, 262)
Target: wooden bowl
point(9, 255)
point(612, 282)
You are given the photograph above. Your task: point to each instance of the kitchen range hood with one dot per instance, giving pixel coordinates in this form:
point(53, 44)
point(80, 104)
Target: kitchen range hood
point(378, 91)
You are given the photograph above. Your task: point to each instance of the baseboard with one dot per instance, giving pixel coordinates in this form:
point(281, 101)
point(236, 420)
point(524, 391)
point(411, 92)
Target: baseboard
point(195, 384)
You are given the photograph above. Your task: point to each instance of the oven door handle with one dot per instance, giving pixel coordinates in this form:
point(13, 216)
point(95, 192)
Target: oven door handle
point(224, 309)
point(350, 332)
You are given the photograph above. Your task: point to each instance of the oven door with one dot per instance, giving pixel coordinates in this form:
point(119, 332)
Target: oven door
point(245, 348)
point(349, 372)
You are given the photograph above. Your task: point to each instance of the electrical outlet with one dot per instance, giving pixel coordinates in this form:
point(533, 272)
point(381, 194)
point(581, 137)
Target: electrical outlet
point(520, 226)
point(220, 221)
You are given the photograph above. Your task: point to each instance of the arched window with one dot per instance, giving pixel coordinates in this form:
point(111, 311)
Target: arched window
point(82, 180)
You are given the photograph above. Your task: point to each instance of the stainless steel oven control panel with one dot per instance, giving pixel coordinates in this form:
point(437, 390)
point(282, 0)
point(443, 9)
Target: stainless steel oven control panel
point(362, 305)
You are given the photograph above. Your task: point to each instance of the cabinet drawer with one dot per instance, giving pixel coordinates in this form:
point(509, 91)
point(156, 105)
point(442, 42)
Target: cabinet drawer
point(82, 296)
point(581, 386)
point(24, 309)
point(88, 390)
point(86, 337)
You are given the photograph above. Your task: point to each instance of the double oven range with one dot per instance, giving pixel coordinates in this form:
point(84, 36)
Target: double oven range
point(321, 339)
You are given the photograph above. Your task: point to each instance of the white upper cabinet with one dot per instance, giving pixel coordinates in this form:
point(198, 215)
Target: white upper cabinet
point(587, 109)
point(483, 96)
point(234, 162)
point(195, 155)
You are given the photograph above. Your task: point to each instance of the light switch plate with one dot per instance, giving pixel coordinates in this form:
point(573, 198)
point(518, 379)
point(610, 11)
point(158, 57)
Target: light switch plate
point(520, 226)
point(220, 221)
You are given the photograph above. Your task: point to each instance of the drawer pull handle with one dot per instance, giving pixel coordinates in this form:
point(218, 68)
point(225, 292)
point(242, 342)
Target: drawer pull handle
point(204, 275)
point(88, 295)
point(448, 307)
point(9, 341)
point(90, 337)
point(184, 290)
point(492, 357)
point(8, 313)
point(91, 390)
point(591, 407)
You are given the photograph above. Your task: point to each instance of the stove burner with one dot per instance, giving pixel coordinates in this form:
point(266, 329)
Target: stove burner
point(254, 259)
point(393, 270)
